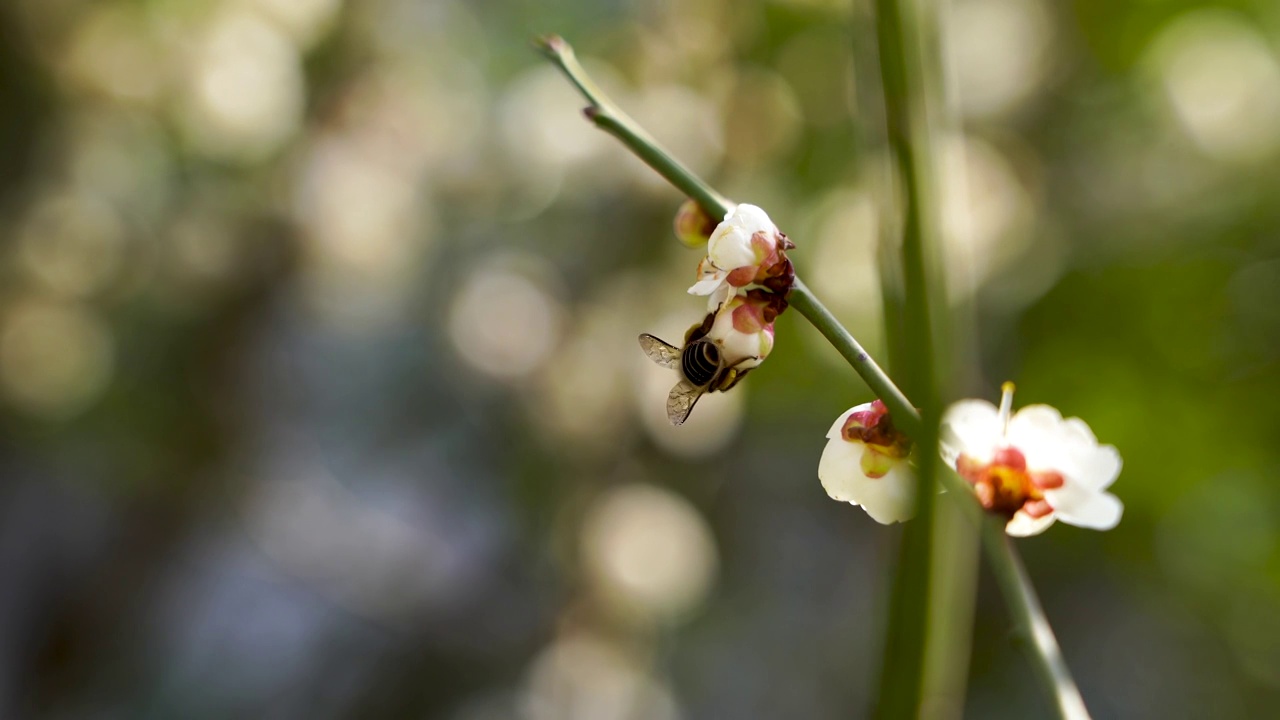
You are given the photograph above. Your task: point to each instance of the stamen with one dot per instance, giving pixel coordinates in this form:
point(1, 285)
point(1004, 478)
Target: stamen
point(1006, 407)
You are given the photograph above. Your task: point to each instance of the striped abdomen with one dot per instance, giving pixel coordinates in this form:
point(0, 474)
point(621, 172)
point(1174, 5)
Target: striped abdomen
point(700, 362)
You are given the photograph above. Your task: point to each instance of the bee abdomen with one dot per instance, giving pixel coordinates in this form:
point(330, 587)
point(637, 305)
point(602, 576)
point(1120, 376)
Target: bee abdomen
point(700, 362)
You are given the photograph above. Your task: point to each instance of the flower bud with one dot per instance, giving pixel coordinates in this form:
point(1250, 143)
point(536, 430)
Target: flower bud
point(746, 250)
point(693, 226)
point(740, 330)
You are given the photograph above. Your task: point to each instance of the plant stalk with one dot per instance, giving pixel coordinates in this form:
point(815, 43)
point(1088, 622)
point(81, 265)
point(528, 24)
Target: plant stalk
point(907, 124)
point(1030, 624)
point(609, 117)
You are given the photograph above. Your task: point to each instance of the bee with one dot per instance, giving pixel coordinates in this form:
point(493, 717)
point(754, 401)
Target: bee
point(700, 364)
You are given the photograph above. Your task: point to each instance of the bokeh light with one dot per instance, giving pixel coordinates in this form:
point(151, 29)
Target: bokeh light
point(74, 243)
point(1222, 81)
point(244, 92)
point(648, 553)
point(505, 321)
point(55, 358)
point(585, 678)
point(1002, 51)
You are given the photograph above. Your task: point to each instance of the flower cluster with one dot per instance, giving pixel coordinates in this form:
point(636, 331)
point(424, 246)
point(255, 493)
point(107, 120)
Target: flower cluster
point(1031, 467)
point(746, 278)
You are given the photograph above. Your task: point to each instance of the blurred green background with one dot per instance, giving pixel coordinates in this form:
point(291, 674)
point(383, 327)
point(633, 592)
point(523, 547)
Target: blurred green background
point(321, 397)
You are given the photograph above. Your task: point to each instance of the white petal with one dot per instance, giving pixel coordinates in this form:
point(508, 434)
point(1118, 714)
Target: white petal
point(734, 346)
point(731, 249)
point(836, 427)
point(971, 427)
point(1036, 429)
point(708, 284)
point(752, 217)
point(1097, 467)
point(1085, 507)
point(1046, 441)
point(840, 469)
point(723, 294)
point(1079, 430)
point(886, 499)
point(1023, 525)
point(729, 246)
point(891, 498)
point(1068, 446)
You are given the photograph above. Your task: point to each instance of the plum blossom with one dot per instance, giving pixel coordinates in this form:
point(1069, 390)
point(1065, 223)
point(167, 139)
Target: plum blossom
point(747, 279)
point(740, 329)
point(745, 250)
point(1032, 466)
point(866, 463)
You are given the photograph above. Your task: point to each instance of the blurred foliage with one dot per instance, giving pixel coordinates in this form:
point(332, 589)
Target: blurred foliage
point(321, 395)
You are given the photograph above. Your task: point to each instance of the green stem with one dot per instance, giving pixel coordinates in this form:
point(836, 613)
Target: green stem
point(610, 118)
point(905, 416)
point(906, 104)
point(1016, 587)
point(1031, 625)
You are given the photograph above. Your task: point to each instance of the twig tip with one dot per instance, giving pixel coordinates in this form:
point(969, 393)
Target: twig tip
point(551, 45)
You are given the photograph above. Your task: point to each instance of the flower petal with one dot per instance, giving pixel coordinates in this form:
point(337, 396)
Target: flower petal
point(708, 284)
point(1085, 507)
point(1098, 467)
point(1068, 446)
point(730, 243)
point(891, 498)
point(971, 427)
point(1023, 525)
point(1080, 431)
point(840, 468)
point(887, 499)
point(735, 345)
point(1047, 441)
point(1037, 429)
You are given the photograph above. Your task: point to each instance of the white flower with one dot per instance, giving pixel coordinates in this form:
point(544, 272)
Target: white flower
point(740, 332)
point(865, 463)
point(745, 249)
point(1032, 466)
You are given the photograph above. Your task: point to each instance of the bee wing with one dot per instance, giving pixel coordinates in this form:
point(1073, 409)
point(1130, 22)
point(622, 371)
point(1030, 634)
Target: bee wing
point(665, 354)
point(681, 401)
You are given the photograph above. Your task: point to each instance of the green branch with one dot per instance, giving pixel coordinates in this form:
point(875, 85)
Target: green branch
point(1016, 587)
point(905, 416)
point(1031, 625)
point(608, 117)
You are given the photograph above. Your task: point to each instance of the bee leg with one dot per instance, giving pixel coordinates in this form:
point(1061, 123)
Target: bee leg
point(730, 378)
